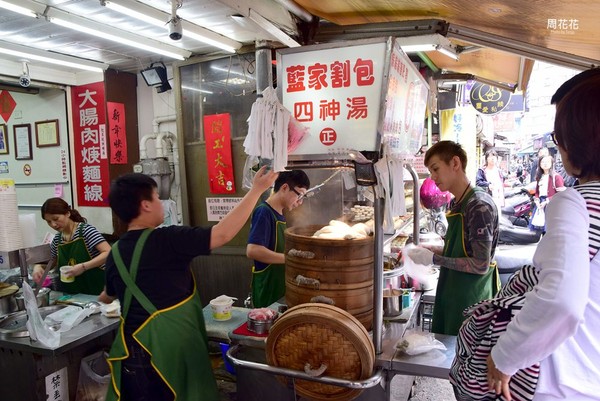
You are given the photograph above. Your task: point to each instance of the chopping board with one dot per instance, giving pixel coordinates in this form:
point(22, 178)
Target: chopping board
point(7, 289)
point(76, 299)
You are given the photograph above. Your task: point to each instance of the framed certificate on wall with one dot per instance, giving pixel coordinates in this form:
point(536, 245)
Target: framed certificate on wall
point(3, 140)
point(22, 134)
point(46, 133)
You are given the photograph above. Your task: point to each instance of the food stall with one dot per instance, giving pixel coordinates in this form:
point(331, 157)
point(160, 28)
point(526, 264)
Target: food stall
point(32, 370)
point(364, 103)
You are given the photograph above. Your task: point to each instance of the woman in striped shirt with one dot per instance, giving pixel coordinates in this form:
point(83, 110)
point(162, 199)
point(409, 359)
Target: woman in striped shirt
point(559, 323)
point(77, 244)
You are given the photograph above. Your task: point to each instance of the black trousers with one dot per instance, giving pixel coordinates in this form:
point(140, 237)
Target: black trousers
point(139, 380)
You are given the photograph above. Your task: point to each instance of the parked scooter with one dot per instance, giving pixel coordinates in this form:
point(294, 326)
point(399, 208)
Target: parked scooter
point(518, 206)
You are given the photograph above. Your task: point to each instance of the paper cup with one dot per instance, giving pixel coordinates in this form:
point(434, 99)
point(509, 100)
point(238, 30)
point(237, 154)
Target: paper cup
point(63, 277)
point(221, 310)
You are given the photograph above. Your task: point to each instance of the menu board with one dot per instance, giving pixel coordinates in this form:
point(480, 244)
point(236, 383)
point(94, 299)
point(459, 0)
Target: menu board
point(406, 103)
point(336, 92)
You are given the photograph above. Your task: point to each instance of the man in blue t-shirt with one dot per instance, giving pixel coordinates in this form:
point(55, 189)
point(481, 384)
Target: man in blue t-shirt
point(266, 243)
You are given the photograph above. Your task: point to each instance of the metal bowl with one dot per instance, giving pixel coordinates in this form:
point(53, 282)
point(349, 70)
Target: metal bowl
point(261, 326)
point(42, 298)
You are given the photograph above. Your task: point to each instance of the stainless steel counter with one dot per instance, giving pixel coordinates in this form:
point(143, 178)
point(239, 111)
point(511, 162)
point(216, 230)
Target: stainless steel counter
point(433, 363)
point(90, 328)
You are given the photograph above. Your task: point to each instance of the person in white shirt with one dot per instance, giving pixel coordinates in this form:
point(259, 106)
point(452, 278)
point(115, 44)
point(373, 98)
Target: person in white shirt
point(559, 323)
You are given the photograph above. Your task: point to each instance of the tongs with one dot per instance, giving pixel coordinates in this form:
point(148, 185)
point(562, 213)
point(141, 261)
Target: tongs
point(317, 188)
point(49, 266)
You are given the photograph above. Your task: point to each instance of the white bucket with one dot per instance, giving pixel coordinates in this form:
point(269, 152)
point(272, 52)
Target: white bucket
point(221, 307)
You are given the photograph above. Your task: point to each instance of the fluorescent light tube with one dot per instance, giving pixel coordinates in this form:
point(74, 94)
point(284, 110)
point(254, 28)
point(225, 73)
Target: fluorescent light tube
point(18, 9)
point(158, 18)
point(108, 36)
point(446, 52)
point(51, 58)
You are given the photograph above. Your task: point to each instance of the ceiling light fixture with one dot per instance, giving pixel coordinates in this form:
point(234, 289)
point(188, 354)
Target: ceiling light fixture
point(125, 38)
point(426, 43)
point(157, 17)
point(461, 78)
point(17, 9)
point(31, 53)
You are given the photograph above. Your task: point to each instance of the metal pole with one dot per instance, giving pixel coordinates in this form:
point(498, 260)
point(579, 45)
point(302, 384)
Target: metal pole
point(416, 203)
point(264, 69)
point(378, 276)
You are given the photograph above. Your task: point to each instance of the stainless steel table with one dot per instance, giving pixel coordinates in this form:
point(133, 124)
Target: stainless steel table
point(25, 364)
point(435, 363)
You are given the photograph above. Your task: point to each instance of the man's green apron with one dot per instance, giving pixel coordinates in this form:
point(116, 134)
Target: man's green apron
point(458, 290)
point(175, 338)
point(268, 284)
point(72, 253)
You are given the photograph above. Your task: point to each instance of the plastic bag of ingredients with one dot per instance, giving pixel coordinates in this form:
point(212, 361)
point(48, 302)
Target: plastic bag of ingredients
point(94, 377)
point(418, 342)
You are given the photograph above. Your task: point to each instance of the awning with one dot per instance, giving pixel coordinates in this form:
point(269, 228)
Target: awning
point(525, 151)
point(498, 40)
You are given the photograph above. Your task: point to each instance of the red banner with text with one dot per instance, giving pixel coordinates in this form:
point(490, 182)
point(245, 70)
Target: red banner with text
point(91, 150)
point(117, 133)
point(217, 133)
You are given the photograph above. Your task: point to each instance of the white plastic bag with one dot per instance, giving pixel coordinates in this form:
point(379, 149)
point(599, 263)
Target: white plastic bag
point(426, 275)
point(418, 342)
point(38, 330)
point(68, 317)
point(538, 221)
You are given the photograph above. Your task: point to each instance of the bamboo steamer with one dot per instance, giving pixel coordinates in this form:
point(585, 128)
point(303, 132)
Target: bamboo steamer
point(317, 336)
point(339, 272)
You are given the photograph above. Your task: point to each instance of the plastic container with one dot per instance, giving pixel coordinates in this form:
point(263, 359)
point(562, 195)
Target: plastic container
point(221, 307)
point(63, 277)
point(228, 365)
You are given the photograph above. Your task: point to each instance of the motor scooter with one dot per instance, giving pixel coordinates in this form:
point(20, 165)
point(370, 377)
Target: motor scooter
point(518, 206)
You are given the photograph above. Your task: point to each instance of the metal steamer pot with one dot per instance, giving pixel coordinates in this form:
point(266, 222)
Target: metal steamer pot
point(42, 298)
point(7, 300)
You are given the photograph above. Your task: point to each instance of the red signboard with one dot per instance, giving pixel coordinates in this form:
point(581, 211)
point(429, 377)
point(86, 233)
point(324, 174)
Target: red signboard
point(117, 133)
point(217, 133)
point(91, 153)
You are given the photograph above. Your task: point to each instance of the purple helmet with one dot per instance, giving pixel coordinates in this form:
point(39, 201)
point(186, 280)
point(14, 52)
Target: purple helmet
point(431, 196)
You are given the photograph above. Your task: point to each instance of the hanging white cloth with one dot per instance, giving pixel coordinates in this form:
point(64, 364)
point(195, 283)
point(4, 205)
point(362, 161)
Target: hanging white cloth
point(268, 130)
point(383, 190)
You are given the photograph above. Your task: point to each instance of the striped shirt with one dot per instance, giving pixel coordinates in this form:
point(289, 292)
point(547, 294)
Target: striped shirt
point(91, 237)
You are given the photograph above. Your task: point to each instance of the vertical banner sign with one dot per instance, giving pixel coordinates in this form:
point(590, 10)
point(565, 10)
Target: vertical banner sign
point(336, 93)
point(406, 103)
point(217, 133)
point(91, 151)
point(117, 133)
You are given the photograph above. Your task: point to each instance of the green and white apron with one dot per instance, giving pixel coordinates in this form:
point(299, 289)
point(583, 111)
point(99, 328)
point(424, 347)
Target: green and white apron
point(458, 290)
point(71, 253)
point(175, 338)
point(268, 284)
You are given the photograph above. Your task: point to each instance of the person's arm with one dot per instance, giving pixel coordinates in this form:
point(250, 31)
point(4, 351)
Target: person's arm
point(264, 254)
point(554, 309)
point(481, 180)
point(95, 262)
point(232, 223)
point(480, 222)
point(105, 298)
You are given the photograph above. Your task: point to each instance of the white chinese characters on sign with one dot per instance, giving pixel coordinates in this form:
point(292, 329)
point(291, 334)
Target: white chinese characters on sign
point(566, 26)
point(91, 150)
